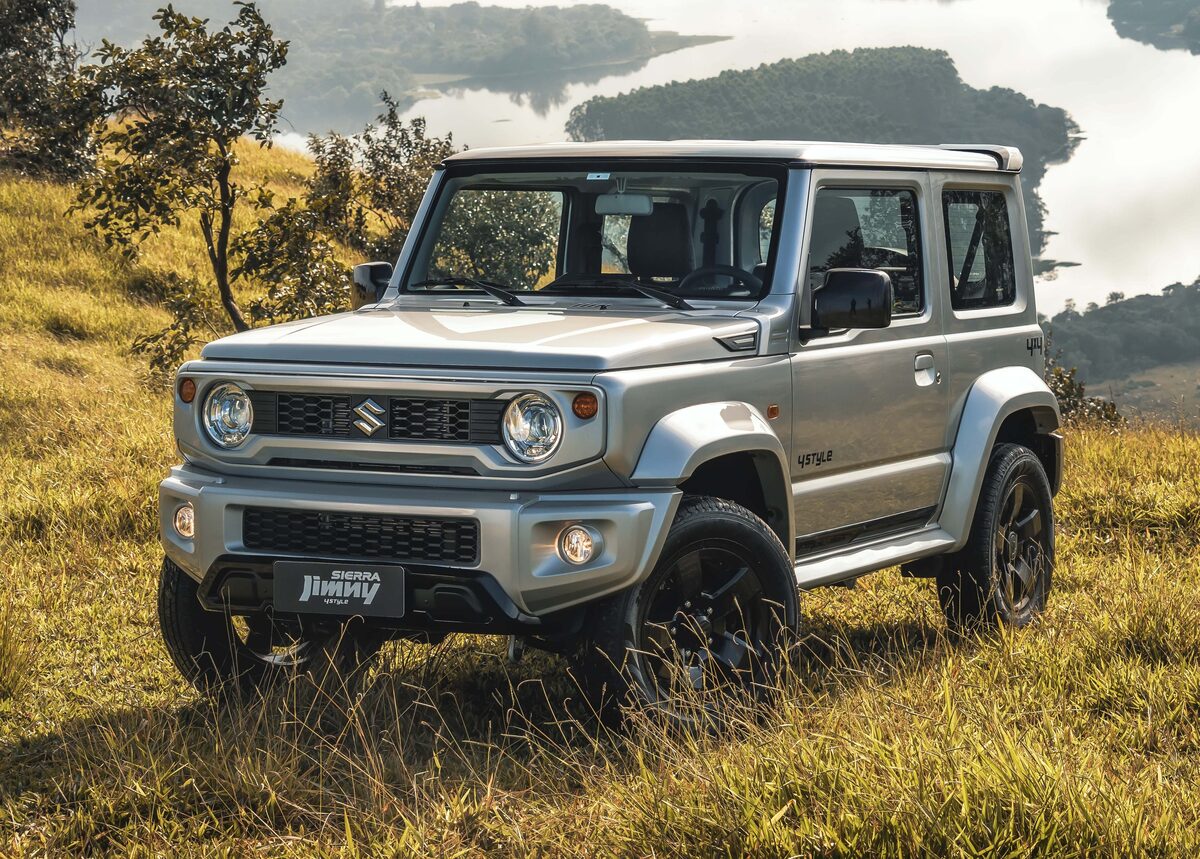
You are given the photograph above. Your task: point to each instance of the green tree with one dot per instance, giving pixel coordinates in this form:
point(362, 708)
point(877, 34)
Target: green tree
point(33, 50)
point(183, 100)
point(46, 109)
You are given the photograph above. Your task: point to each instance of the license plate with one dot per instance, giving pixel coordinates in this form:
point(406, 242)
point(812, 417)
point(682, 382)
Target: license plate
point(351, 588)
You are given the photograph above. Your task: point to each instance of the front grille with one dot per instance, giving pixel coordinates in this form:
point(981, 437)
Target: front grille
point(317, 533)
point(303, 414)
point(442, 420)
point(407, 419)
point(446, 420)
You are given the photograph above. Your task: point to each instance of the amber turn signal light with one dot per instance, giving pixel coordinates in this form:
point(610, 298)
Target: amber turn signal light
point(585, 406)
point(187, 390)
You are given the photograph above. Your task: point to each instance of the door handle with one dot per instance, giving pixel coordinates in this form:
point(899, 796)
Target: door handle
point(925, 370)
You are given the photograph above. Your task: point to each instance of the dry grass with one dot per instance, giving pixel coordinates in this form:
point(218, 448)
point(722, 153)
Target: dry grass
point(1075, 737)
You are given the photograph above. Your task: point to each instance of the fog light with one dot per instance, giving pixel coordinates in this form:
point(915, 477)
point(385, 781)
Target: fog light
point(185, 522)
point(576, 545)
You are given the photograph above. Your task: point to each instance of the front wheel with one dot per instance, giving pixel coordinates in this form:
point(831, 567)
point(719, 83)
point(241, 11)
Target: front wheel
point(215, 650)
point(1003, 574)
point(710, 618)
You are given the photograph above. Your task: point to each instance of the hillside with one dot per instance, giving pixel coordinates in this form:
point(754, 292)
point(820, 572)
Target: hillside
point(1075, 737)
point(342, 54)
point(1130, 334)
point(876, 95)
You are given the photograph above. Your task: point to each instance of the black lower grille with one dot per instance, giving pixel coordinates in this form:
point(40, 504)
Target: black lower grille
point(318, 533)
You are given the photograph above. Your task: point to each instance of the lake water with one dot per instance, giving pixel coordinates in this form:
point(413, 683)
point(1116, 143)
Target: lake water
point(1122, 207)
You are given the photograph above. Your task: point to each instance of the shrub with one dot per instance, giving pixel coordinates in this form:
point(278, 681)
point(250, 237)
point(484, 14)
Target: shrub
point(1074, 403)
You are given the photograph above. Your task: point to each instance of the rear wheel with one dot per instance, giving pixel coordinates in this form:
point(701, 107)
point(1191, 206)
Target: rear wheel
point(213, 650)
point(711, 617)
point(1003, 575)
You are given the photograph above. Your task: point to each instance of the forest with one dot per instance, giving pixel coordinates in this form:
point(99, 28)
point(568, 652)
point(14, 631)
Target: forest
point(1165, 24)
point(341, 55)
point(874, 95)
point(1130, 334)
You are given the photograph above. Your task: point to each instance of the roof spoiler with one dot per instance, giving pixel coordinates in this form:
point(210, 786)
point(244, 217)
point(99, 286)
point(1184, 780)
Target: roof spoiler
point(1007, 157)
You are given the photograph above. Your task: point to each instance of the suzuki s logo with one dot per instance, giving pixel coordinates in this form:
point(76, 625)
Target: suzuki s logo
point(368, 412)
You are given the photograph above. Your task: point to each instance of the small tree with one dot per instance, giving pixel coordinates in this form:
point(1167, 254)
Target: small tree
point(368, 186)
point(182, 100)
point(289, 254)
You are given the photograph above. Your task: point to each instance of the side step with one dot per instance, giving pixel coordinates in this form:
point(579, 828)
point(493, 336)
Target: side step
point(832, 569)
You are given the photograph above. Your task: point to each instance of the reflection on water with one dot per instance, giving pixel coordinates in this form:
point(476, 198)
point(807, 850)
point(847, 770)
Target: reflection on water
point(1122, 206)
point(540, 92)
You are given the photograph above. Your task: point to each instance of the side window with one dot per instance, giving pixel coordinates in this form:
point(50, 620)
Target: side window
point(766, 226)
point(979, 247)
point(869, 228)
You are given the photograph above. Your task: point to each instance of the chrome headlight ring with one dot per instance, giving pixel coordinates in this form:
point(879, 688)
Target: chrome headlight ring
point(532, 428)
point(227, 415)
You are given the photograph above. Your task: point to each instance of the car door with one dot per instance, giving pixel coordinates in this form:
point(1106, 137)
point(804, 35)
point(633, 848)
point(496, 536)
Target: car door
point(869, 450)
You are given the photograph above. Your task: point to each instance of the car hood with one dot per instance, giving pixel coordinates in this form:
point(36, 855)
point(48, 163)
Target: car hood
point(491, 336)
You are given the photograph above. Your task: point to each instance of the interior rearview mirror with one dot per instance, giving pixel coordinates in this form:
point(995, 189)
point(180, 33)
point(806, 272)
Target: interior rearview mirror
point(624, 204)
point(370, 283)
point(853, 298)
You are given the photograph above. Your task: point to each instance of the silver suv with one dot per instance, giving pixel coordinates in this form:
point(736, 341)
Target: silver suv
point(624, 401)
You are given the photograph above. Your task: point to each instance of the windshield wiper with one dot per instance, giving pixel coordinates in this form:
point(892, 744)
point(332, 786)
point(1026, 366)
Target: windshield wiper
point(492, 289)
point(668, 298)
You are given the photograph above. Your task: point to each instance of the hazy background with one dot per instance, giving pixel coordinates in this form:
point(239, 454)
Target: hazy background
point(1099, 94)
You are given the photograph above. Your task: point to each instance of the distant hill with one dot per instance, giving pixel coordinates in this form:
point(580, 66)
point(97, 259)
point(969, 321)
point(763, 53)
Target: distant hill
point(1130, 335)
point(343, 52)
point(879, 95)
point(1165, 24)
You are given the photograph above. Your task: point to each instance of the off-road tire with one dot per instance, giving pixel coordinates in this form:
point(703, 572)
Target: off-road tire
point(608, 669)
point(208, 653)
point(973, 586)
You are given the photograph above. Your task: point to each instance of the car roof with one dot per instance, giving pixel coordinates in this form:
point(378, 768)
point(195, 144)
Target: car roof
point(802, 153)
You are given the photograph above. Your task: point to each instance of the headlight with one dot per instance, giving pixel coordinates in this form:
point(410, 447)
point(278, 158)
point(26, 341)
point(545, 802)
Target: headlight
point(532, 427)
point(228, 415)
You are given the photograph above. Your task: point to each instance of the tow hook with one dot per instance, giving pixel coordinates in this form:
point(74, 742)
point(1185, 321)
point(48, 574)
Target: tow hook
point(516, 649)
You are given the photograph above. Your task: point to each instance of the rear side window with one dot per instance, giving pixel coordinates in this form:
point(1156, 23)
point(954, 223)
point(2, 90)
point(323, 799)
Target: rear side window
point(869, 228)
point(979, 247)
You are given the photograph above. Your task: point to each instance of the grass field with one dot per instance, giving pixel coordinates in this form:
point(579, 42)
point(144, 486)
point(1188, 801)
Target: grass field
point(1078, 736)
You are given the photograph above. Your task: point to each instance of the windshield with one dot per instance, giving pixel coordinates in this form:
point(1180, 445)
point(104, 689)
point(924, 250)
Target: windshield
point(660, 234)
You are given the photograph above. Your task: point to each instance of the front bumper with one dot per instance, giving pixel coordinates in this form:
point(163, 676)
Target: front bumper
point(517, 531)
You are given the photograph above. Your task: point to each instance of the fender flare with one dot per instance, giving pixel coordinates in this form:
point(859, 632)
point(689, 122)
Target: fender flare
point(685, 439)
point(994, 396)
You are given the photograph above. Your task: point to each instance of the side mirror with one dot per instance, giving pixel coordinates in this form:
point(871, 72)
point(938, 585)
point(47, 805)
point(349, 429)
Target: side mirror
point(370, 283)
point(853, 298)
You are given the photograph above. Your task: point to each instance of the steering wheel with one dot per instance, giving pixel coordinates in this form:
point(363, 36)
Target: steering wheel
point(733, 271)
